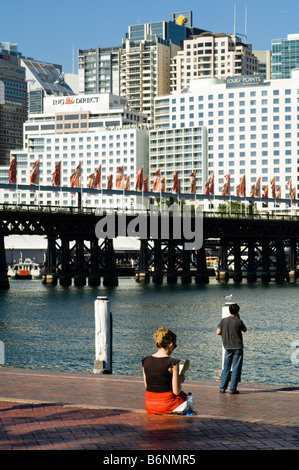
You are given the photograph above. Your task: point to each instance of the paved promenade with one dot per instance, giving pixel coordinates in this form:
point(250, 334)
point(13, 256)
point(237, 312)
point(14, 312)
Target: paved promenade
point(44, 410)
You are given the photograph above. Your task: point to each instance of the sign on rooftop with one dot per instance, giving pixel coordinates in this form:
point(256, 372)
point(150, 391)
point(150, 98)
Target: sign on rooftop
point(244, 80)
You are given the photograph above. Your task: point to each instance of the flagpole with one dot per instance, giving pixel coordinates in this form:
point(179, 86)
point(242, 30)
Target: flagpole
point(142, 191)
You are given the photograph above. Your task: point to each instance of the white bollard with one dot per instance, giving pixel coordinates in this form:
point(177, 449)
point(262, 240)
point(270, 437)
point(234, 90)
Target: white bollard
point(103, 336)
point(2, 353)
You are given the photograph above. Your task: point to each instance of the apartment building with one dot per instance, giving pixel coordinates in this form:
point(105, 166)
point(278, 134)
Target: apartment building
point(145, 72)
point(211, 55)
point(98, 70)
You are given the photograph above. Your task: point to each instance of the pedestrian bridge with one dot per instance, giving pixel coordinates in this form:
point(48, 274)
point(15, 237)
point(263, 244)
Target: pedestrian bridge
point(249, 246)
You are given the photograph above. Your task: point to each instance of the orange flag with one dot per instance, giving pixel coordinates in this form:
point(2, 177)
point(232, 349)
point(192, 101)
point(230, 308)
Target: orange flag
point(145, 184)
point(139, 180)
point(207, 188)
point(56, 175)
point(109, 181)
point(265, 189)
point(119, 182)
point(226, 186)
point(163, 185)
point(252, 191)
point(12, 172)
point(175, 184)
point(98, 178)
point(278, 193)
point(242, 186)
point(75, 178)
point(273, 187)
point(258, 188)
point(34, 174)
point(91, 180)
point(157, 181)
point(211, 179)
point(192, 182)
point(127, 183)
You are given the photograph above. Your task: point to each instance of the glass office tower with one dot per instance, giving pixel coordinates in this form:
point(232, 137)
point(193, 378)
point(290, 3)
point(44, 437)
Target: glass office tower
point(285, 56)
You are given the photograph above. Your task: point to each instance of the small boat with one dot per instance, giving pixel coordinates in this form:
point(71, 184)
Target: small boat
point(24, 270)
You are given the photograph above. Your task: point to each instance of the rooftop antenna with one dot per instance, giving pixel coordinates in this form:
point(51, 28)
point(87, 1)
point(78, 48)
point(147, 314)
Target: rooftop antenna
point(235, 19)
point(235, 29)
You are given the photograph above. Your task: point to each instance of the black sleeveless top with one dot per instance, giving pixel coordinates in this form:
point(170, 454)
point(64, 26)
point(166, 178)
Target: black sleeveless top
point(158, 377)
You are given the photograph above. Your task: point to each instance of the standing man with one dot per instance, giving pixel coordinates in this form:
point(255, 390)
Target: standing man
point(230, 328)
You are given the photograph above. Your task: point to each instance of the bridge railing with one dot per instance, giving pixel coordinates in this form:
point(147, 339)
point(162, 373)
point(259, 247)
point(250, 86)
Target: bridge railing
point(269, 215)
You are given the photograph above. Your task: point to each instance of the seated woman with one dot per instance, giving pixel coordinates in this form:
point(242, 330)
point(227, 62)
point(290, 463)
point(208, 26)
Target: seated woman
point(161, 376)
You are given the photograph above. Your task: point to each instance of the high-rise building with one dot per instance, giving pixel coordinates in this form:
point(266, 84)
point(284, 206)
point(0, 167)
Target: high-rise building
point(285, 56)
point(241, 126)
point(175, 31)
point(98, 70)
point(211, 55)
point(264, 66)
point(43, 79)
point(145, 72)
point(13, 111)
point(139, 69)
point(86, 130)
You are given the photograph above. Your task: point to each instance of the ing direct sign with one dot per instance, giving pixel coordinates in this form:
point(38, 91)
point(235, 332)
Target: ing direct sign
point(244, 80)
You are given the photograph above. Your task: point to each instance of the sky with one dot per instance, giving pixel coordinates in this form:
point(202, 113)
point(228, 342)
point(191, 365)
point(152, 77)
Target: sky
point(54, 30)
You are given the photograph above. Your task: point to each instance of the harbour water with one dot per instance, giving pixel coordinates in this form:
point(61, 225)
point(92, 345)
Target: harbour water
point(52, 328)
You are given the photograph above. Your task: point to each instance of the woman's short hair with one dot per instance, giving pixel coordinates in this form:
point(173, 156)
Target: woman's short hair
point(163, 337)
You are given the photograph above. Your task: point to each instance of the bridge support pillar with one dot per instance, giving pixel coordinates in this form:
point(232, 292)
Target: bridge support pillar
point(65, 277)
point(51, 275)
point(158, 264)
point(251, 274)
point(223, 275)
point(280, 273)
point(172, 276)
point(292, 262)
point(94, 278)
point(186, 277)
point(265, 275)
point(143, 274)
point(4, 282)
point(201, 276)
point(79, 277)
point(237, 274)
point(110, 276)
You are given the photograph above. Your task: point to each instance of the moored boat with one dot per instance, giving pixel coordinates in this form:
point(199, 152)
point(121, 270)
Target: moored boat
point(24, 270)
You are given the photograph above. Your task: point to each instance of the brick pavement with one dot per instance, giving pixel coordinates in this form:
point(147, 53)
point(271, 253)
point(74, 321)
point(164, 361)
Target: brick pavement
point(42, 410)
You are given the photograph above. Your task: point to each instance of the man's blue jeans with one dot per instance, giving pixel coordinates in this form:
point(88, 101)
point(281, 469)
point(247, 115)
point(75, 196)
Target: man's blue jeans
point(233, 358)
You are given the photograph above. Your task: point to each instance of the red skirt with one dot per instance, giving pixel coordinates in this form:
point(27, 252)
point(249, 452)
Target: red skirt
point(163, 403)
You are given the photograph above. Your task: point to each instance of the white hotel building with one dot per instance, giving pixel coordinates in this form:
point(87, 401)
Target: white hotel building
point(91, 129)
point(240, 125)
